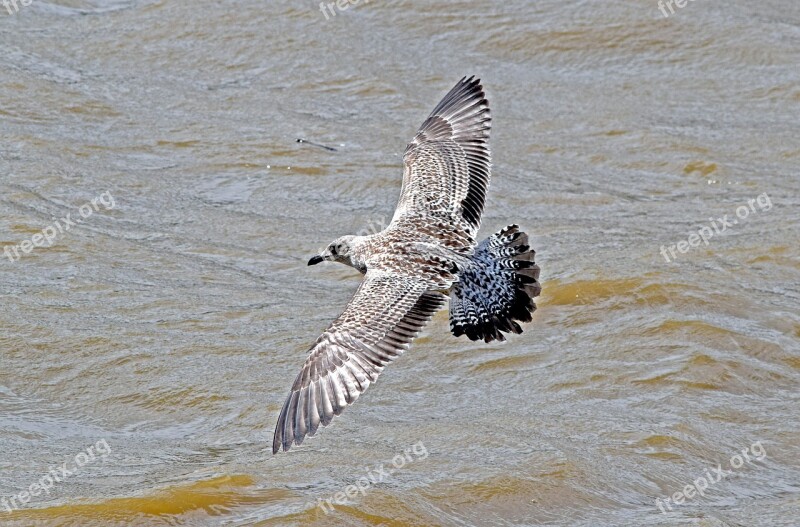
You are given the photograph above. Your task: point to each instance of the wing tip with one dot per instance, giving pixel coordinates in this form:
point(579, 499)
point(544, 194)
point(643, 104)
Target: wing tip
point(467, 92)
point(277, 440)
point(285, 429)
point(472, 79)
point(288, 433)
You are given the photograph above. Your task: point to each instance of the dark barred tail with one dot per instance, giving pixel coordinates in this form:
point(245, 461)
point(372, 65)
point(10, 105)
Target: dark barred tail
point(497, 290)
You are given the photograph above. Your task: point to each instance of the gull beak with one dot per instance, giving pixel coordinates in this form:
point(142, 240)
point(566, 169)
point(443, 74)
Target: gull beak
point(315, 260)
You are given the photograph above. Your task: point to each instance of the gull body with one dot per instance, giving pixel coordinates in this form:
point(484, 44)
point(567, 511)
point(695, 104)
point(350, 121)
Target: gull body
point(428, 255)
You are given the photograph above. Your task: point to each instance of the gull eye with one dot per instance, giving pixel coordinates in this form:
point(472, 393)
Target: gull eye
point(332, 250)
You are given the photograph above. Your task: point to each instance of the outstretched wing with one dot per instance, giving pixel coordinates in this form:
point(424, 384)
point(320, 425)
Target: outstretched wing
point(378, 324)
point(447, 165)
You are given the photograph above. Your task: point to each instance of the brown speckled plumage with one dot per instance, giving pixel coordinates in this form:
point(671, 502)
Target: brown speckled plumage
point(427, 253)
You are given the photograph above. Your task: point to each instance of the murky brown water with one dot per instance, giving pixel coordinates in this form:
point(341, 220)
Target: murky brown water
point(172, 324)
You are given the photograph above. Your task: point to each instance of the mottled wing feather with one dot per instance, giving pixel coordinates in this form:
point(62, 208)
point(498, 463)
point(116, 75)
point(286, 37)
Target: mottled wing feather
point(447, 166)
point(378, 325)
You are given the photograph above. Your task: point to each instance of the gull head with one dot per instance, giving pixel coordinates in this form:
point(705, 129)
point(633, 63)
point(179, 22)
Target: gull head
point(339, 250)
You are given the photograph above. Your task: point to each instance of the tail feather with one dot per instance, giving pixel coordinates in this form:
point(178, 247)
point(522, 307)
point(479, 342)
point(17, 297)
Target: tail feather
point(497, 290)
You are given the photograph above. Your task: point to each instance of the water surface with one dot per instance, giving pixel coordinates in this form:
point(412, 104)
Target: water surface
point(172, 325)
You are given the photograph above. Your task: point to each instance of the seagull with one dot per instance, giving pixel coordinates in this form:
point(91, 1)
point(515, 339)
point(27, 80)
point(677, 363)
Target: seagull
point(426, 256)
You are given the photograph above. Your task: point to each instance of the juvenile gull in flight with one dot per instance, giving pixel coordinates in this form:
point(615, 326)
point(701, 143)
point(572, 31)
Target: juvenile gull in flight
point(427, 254)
